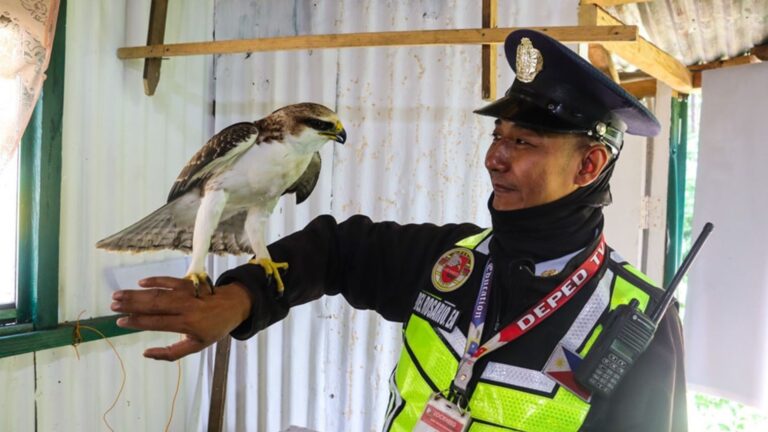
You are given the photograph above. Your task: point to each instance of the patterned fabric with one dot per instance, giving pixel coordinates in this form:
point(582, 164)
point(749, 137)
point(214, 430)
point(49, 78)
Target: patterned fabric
point(26, 36)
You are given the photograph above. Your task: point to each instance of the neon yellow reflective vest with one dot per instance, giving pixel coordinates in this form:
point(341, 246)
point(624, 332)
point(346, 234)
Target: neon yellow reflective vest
point(428, 362)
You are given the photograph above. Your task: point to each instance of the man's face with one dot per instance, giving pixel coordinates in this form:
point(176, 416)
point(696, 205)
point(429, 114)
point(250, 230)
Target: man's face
point(529, 168)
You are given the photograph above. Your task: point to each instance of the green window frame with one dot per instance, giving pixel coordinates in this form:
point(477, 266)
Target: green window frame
point(34, 323)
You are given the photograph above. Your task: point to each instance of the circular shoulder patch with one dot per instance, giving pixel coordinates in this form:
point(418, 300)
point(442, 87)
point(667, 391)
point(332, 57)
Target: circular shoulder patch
point(452, 269)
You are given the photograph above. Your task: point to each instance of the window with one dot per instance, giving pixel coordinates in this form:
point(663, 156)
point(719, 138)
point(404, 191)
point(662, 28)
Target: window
point(9, 88)
point(8, 228)
point(29, 217)
point(29, 231)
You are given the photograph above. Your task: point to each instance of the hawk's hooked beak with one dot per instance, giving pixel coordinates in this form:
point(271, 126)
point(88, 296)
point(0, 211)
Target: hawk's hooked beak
point(338, 133)
point(341, 136)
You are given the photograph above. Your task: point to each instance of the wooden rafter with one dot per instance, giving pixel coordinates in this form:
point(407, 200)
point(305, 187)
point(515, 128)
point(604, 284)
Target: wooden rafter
point(568, 34)
point(697, 80)
point(736, 61)
point(760, 51)
point(641, 88)
point(155, 35)
point(610, 3)
point(641, 53)
point(488, 82)
point(601, 59)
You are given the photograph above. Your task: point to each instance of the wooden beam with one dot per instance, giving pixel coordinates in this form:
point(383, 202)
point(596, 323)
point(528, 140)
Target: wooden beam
point(736, 61)
point(155, 35)
point(567, 34)
point(697, 79)
point(641, 88)
point(634, 75)
point(641, 53)
point(601, 59)
point(219, 386)
point(760, 51)
point(488, 82)
point(610, 3)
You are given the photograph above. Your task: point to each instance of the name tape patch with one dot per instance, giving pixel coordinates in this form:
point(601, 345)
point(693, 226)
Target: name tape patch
point(439, 312)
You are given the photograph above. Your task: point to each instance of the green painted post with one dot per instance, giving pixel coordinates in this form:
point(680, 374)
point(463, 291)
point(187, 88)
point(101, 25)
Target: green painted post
point(678, 143)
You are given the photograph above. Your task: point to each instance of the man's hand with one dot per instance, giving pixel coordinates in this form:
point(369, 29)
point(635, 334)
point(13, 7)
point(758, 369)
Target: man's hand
point(169, 304)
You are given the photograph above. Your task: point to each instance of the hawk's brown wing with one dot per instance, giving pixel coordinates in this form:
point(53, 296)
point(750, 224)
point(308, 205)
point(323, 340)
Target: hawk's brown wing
point(218, 152)
point(304, 185)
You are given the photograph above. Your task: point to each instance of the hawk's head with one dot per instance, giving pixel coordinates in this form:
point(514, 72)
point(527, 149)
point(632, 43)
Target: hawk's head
point(311, 124)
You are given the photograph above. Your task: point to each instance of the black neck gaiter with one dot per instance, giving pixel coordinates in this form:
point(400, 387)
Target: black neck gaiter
point(554, 229)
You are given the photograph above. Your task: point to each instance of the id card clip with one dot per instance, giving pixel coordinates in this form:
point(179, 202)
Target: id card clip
point(442, 415)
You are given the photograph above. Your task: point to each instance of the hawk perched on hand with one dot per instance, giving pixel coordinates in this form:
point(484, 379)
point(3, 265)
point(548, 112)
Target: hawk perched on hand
point(223, 197)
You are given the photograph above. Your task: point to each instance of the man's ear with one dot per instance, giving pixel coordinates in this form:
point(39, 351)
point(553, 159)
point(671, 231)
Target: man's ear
point(594, 159)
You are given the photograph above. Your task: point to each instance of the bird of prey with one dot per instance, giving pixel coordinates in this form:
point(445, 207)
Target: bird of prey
point(223, 197)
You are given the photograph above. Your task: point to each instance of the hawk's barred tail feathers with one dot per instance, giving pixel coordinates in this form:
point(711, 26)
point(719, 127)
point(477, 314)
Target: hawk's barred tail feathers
point(171, 227)
point(154, 232)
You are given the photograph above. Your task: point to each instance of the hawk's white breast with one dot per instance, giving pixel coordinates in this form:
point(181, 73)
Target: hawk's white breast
point(261, 174)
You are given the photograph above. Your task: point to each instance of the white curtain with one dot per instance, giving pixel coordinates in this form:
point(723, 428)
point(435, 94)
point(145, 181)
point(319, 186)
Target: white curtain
point(726, 319)
point(26, 36)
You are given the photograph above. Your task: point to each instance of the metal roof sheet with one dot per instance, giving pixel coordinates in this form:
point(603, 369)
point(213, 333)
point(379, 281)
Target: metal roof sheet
point(699, 31)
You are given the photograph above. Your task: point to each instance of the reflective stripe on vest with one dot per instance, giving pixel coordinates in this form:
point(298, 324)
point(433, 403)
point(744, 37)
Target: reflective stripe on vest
point(429, 360)
point(473, 241)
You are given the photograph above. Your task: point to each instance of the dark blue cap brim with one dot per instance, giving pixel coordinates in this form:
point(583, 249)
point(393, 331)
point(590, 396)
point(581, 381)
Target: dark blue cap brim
point(529, 116)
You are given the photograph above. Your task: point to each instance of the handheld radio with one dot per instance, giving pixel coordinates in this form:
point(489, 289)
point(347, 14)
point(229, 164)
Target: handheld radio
point(627, 333)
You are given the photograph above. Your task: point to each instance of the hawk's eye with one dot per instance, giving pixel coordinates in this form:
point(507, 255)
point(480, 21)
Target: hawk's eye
point(320, 124)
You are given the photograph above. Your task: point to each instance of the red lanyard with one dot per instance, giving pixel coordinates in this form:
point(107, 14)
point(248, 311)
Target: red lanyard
point(534, 316)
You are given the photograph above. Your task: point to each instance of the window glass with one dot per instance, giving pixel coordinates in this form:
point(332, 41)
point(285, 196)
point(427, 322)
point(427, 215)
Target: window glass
point(9, 105)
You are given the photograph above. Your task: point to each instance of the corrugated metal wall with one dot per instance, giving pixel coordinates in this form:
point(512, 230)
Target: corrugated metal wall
point(121, 151)
point(414, 154)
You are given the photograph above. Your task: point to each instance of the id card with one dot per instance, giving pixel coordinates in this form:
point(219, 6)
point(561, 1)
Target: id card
point(442, 415)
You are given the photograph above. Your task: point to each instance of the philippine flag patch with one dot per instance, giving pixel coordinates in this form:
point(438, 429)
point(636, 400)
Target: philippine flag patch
point(560, 367)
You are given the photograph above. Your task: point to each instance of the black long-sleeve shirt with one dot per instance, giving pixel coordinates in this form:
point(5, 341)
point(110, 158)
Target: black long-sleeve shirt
point(380, 266)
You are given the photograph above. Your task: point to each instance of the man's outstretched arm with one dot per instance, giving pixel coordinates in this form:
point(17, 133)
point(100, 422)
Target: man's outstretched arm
point(374, 265)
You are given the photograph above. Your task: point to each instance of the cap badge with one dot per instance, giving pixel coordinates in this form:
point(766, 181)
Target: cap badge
point(528, 61)
point(452, 269)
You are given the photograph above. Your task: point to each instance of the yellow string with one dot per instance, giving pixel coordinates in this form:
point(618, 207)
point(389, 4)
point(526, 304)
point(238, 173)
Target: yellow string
point(175, 394)
point(77, 339)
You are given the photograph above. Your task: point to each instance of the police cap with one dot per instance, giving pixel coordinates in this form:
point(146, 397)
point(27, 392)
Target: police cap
point(555, 90)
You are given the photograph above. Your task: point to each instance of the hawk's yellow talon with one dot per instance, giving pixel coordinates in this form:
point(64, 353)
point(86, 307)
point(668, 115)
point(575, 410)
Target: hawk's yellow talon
point(197, 279)
point(271, 269)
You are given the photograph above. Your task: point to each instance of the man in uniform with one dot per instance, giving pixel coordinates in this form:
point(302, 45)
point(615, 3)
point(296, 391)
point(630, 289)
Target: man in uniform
point(494, 319)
